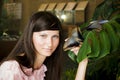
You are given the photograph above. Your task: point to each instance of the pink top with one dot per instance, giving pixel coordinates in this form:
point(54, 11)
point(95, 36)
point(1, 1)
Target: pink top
point(10, 70)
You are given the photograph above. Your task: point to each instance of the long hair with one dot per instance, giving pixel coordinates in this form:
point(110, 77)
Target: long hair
point(38, 22)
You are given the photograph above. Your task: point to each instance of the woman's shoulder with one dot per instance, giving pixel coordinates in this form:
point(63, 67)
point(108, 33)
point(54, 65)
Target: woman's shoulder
point(11, 64)
point(10, 70)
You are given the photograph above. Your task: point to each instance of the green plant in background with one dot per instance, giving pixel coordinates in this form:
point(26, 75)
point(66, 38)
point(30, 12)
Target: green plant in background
point(106, 9)
point(107, 68)
point(101, 42)
point(69, 74)
point(3, 17)
point(8, 22)
point(94, 38)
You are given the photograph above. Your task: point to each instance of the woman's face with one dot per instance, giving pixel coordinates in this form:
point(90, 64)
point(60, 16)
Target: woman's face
point(45, 42)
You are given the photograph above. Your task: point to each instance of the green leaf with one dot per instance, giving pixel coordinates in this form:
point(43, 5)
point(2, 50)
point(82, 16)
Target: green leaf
point(72, 56)
point(104, 44)
point(116, 27)
point(95, 46)
point(85, 49)
point(112, 36)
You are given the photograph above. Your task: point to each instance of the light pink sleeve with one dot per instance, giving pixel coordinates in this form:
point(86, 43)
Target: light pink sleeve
point(10, 70)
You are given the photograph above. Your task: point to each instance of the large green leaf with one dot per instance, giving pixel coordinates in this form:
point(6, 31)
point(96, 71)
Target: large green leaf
point(112, 36)
point(104, 44)
point(95, 45)
point(116, 27)
point(85, 49)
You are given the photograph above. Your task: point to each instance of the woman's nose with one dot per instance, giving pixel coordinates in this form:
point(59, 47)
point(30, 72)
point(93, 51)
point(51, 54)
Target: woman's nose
point(49, 42)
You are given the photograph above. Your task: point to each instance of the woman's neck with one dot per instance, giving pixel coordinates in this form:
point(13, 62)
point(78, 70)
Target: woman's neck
point(39, 61)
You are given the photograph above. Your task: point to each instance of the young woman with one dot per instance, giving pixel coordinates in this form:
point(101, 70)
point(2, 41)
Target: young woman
point(38, 53)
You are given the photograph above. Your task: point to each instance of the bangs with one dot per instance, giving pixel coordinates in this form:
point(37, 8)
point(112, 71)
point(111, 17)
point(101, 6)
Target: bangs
point(41, 25)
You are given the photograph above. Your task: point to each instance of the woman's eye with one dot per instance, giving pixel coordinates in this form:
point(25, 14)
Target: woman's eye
point(56, 36)
point(43, 36)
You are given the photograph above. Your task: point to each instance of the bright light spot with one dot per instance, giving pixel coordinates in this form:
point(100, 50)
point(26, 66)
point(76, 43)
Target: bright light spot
point(58, 16)
point(63, 16)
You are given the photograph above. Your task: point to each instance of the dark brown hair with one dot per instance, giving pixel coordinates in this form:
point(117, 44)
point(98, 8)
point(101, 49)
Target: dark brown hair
point(38, 22)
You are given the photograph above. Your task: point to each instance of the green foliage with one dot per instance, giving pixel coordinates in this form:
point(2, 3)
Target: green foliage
point(106, 68)
point(98, 44)
point(102, 47)
point(106, 9)
point(69, 74)
point(8, 22)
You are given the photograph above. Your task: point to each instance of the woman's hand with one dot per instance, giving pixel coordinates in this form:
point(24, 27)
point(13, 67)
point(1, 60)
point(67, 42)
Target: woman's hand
point(81, 71)
point(76, 49)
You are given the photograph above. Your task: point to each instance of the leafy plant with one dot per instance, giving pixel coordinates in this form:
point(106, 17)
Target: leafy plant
point(106, 9)
point(101, 41)
point(69, 74)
